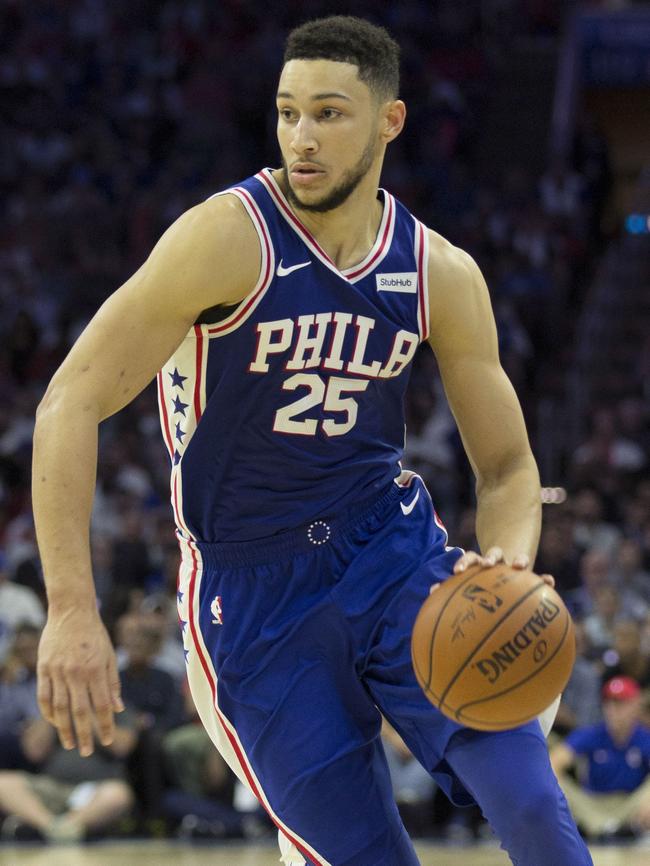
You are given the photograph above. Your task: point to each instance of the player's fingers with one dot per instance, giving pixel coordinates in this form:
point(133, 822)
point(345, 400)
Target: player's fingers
point(102, 703)
point(44, 695)
point(471, 557)
point(81, 715)
point(61, 711)
point(549, 579)
point(114, 686)
point(521, 561)
point(494, 555)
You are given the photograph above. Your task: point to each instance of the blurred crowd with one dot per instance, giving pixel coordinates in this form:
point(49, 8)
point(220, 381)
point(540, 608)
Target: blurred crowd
point(119, 116)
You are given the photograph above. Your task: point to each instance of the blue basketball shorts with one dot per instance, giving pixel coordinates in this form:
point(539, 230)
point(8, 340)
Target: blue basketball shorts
point(297, 645)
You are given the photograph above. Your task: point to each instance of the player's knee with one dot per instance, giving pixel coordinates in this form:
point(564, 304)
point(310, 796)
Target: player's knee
point(537, 807)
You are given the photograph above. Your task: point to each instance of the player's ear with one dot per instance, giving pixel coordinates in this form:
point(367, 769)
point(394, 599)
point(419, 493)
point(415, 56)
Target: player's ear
point(393, 116)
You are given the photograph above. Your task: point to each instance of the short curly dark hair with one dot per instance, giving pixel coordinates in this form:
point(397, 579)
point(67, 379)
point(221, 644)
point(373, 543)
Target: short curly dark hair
point(350, 40)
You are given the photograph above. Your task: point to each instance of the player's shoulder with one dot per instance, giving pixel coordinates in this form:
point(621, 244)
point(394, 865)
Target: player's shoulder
point(215, 237)
point(449, 265)
point(459, 301)
point(221, 216)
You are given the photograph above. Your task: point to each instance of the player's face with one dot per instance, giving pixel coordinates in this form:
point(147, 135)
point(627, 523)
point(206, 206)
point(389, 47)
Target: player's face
point(327, 130)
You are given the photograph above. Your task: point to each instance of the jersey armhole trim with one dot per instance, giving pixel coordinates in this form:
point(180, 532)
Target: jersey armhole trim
point(422, 262)
point(267, 269)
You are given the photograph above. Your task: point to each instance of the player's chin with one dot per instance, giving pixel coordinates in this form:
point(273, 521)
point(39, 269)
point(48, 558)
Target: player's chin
point(308, 196)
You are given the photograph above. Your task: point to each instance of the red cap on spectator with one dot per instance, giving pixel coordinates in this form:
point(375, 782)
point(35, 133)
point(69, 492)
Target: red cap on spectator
point(621, 689)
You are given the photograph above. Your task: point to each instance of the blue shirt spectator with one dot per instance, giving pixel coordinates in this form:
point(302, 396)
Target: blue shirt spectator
point(612, 766)
point(614, 794)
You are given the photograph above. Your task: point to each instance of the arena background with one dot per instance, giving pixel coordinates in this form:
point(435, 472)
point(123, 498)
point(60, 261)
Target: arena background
point(527, 144)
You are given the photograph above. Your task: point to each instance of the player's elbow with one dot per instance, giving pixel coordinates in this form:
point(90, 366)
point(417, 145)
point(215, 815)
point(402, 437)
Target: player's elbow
point(47, 404)
point(60, 401)
point(512, 467)
point(53, 402)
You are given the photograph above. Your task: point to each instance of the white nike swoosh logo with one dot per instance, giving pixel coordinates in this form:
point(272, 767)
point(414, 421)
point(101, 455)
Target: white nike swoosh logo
point(406, 509)
point(283, 272)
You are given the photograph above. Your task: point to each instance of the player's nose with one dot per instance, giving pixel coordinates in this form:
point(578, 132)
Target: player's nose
point(303, 140)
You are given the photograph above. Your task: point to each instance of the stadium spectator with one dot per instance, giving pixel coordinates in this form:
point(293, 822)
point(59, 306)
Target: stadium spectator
point(627, 656)
point(580, 705)
point(629, 574)
point(607, 447)
point(595, 570)
point(18, 605)
point(613, 609)
point(155, 698)
point(592, 532)
point(614, 791)
point(151, 692)
point(201, 792)
point(72, 796)
point(558, 554)
point(18, 705)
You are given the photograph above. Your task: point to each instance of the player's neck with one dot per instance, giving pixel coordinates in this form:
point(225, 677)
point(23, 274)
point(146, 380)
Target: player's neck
point(347, 233)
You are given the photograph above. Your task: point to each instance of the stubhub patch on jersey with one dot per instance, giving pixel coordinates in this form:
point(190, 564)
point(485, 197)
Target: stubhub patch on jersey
point(407, 283)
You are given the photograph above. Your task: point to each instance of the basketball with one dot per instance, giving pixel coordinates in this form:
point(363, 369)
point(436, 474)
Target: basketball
point(493, 647)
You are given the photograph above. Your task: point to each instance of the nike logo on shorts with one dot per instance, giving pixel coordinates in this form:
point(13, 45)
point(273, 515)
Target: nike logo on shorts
point(406, 509)
point(283, 272)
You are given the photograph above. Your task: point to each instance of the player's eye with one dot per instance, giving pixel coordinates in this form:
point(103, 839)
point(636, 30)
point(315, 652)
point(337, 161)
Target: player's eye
point(285, 113)
point(330, 113)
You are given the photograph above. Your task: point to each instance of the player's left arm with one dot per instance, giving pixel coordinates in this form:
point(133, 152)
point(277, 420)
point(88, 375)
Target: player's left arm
point(490, 421)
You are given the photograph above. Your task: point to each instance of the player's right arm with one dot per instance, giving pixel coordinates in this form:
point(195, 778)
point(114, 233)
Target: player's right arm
point(209, 256)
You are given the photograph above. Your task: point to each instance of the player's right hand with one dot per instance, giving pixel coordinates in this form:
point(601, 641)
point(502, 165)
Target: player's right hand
point(492, 557)
point(78, 682)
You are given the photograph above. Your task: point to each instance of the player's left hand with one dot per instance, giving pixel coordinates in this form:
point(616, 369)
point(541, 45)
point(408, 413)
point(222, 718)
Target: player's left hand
point(492, 557)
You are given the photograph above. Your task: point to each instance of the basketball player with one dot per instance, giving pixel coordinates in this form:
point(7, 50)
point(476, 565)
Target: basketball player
point(285, 313)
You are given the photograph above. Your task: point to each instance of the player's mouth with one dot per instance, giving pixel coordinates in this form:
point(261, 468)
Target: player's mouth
point(304, 174)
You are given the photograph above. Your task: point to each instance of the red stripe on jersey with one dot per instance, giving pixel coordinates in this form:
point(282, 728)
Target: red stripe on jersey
point(294, 219)
point(163, 409)
point(424, 324)
point(199, 369)
point(233, 742)
point(266, 279)
point(387, 229)
point(270, 184)
point(178, 515)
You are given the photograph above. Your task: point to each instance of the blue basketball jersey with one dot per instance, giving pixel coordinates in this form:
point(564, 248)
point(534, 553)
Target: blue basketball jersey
point(291, 407)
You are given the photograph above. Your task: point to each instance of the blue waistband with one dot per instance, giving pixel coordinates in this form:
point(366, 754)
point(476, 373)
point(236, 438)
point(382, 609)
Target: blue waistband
point(318, 533)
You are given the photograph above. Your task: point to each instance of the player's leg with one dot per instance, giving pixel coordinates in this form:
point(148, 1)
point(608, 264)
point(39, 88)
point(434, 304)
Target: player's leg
point(289, 854)
point(272, 673)
point(411, 543)
point(509, 775)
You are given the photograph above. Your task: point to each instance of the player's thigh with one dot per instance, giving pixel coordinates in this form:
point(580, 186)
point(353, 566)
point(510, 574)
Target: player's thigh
point(389, 674)
point(308, 733)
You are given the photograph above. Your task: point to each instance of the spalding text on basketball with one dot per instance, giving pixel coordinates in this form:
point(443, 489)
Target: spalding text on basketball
point(491, 667)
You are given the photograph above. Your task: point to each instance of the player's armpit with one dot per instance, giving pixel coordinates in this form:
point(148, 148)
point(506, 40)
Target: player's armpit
point(209, 256)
